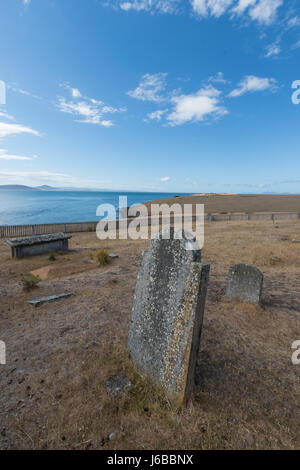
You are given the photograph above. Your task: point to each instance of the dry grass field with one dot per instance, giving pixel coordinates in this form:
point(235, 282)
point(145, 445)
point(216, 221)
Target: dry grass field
point(239, 202)
point(60, 355)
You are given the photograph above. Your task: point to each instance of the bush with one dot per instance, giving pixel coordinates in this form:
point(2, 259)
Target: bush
point(30, 282)
point(102, 257)
point(52, 256)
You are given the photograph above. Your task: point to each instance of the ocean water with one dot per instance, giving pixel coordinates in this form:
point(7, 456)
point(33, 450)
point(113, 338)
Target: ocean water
point(19, 207)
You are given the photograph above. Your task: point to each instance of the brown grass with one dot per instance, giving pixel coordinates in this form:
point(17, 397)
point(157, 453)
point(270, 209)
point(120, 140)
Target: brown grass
point(102, 257)
point(60, 355)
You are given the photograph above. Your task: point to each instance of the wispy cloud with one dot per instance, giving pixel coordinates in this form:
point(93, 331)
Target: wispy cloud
point(161, 6)
point(273, 49)
point(88, 110)
point(218, 78)
point(6, 156)
point(196, 107)
point(164, 179)
point(252, 83)
point(7, 129)
point(150, 88)
point(261, 11)
point(156, 115)
point(6, 116)
point(21, 91)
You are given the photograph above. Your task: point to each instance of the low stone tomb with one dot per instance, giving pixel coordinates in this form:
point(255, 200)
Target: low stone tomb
point(38, 244)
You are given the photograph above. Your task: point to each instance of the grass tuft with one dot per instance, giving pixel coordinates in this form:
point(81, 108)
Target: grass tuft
point(52, 256)
point(102, 257)
point(30, 282)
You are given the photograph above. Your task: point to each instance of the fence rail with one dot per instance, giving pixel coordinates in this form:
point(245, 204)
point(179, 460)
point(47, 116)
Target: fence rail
point(7, 231)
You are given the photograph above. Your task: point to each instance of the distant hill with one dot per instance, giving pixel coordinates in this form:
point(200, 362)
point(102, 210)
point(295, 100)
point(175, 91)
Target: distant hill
point(16, 187)
point(46, 187)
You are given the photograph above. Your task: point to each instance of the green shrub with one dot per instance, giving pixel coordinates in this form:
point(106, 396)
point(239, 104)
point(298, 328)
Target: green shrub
point(102, 257)
point(29, 282)
point(52, 256)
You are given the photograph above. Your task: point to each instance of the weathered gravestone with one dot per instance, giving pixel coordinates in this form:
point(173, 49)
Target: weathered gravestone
point(167, 312)
point(245, 283)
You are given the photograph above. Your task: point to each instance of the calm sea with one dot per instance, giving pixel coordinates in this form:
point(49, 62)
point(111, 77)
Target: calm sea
point(46, 207)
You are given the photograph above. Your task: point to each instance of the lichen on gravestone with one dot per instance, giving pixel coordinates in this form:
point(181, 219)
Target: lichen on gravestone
point(168, 311)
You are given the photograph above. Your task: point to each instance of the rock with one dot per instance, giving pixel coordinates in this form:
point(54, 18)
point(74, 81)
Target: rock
point(118, 384)
point(112, 436)
point(245, 283)
point(113, 255)
point(168, 311)
point(295, 240)
point(50, 298)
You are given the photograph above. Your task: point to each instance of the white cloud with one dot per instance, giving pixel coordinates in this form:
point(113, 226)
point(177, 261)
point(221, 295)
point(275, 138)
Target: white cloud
point(165, 179)
point(5, 156)
point(21, 91)
point(218, 78)
point(75, 93)
point(89, 110)
point(196, 107)
point(293, 22)
point(156, 115)
point(296, 45)
point(251, 83)
point(262, 11)
point(7, 129)
point(273, 50)
point(26, 2)
point(265, 11)
point(6, 116)
point(242, 5)
point(150, 88)
point(161, 6)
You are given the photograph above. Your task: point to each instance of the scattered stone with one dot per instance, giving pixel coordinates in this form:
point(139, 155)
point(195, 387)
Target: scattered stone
point(118, 384)
point(295, 240)
point(168, 311)
point(112, 436)
point(275, 260)
point(50, 298)
point(245, 283)
point(86, 261)
point(113, 255)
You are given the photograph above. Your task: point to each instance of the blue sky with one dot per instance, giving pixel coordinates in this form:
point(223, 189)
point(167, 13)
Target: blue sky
point(166, 95)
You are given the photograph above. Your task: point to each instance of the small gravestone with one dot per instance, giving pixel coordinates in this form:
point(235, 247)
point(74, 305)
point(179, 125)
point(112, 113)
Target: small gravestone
point(167, 314)
point(245, 283)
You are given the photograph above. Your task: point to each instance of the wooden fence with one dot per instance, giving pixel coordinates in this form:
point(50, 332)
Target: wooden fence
point(29, 230)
